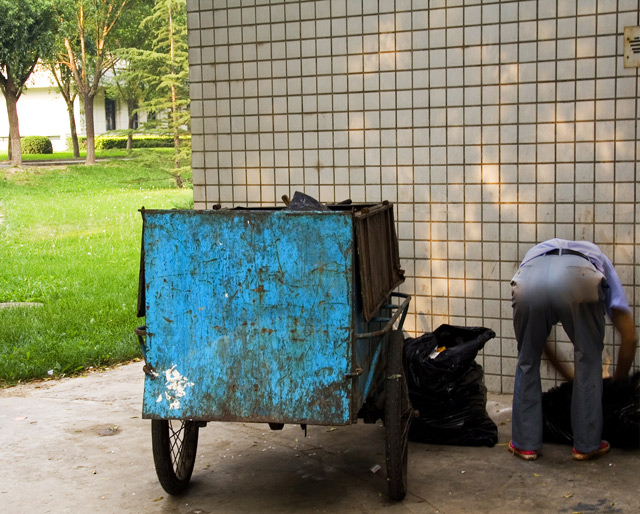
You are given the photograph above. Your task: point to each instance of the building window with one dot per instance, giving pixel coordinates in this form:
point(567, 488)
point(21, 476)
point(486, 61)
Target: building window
point(110, 112)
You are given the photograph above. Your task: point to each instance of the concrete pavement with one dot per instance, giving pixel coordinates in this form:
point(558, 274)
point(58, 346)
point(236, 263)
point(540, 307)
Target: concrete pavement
point(80, 445)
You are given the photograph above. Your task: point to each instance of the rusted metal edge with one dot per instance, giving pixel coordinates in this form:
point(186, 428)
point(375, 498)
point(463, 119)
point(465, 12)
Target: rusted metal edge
point(372, 210)
point(148, 369)
point(253, 419)
point(361, 209)
point(141, 307)
point(378, 256)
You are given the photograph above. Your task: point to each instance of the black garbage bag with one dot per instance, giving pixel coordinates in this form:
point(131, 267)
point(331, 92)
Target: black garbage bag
point(620, 413)
point(446, 387)
point(304, 202)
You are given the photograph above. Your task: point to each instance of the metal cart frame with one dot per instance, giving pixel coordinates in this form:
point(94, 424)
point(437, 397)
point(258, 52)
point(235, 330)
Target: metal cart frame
point(269, 315)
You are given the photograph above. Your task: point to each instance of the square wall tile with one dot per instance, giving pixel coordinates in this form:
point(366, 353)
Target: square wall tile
point(490, 125)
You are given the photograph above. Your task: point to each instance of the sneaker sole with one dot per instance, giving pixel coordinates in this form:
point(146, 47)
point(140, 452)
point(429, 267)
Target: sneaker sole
point(592, 455)
point(521, 455)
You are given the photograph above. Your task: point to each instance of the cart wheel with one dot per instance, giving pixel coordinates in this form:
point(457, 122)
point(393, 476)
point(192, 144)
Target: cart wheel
point(174, 444)
point(397, 417)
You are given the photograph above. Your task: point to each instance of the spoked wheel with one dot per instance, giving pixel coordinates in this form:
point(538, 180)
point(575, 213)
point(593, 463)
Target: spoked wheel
point(174, 444)
point(398, 414)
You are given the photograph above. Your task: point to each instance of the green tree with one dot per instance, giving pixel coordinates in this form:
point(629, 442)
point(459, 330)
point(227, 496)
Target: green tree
point(165, 70)
point(27, 29)
point(88, 32)
point(66, 86)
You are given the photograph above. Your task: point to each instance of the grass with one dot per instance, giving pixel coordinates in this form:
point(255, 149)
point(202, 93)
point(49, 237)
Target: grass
point(70, 239)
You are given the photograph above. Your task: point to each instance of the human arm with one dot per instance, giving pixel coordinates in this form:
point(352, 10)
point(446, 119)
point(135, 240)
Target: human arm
point(623, 322)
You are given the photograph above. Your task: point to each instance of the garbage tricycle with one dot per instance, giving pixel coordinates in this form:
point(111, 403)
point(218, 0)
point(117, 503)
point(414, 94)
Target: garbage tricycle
point(271, 315)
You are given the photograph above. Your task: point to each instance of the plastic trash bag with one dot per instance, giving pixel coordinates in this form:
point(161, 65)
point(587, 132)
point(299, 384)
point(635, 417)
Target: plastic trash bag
point(620, 413)
point(446, 387)
point(303, 202)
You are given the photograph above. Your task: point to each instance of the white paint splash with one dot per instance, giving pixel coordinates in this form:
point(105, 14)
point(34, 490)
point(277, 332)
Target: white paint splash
point(176, 387)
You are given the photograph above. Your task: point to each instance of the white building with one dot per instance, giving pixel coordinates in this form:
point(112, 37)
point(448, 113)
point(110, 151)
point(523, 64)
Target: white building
point(42, 111)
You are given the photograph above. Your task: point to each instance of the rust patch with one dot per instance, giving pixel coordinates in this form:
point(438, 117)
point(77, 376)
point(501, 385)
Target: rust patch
point(329, 398)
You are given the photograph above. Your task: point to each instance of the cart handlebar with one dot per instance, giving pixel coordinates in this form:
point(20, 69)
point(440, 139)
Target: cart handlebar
point(400, 312)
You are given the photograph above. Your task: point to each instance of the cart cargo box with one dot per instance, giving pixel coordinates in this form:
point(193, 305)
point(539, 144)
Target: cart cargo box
point(252, 314)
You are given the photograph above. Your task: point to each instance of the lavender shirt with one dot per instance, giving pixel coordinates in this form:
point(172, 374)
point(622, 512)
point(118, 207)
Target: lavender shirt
point(615, 294)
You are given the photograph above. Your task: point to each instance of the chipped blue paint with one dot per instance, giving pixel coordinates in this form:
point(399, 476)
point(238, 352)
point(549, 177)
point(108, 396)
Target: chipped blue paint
point(250, 316)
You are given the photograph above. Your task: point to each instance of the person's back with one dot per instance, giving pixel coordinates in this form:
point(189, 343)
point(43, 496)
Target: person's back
point(573, 283)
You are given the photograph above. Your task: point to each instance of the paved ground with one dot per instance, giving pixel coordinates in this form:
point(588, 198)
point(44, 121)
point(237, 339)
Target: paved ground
point(55, 162)
point(35, 164)
point(80, 445)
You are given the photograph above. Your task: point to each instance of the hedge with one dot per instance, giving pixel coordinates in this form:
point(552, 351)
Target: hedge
point(139, 141)
point(107, 142)
point(82, 142)
point(36, 145)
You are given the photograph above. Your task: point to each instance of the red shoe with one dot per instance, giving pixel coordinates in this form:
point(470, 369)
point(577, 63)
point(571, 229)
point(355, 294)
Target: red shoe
point(604, 448)
point(523, 454)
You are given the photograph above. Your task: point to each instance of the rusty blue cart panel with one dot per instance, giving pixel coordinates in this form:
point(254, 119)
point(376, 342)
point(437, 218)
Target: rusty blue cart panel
point(250, 315)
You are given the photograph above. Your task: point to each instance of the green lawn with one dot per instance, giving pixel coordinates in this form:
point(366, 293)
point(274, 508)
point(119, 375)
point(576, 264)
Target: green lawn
point(70, 239)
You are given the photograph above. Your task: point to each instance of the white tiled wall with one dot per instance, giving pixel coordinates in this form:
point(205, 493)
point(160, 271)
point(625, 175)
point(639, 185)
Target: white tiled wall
point(491, 126)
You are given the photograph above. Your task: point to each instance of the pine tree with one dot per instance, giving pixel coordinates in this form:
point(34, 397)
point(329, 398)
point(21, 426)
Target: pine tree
point(164, 71)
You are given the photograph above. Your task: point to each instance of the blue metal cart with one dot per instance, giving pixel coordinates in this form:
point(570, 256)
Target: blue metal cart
point(271, 315)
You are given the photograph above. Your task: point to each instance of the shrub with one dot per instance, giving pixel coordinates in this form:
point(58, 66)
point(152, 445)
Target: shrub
point(82, 142)
point(36, 145)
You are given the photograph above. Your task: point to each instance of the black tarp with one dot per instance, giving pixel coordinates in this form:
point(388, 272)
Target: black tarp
point(620, 412)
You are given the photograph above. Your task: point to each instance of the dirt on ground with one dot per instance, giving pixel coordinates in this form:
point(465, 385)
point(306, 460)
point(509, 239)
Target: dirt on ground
point(81, 445)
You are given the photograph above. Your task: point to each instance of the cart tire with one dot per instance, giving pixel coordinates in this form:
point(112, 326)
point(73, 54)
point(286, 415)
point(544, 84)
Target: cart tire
point(397, 417)
point(174, 443)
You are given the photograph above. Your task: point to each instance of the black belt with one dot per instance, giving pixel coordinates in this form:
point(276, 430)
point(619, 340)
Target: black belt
point(566, 251)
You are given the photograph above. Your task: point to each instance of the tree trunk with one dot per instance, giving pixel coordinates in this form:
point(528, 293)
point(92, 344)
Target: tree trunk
point(131, 106)
point(15, 149)
point(174, 102)
point(176, 147)
point(91, 138)
point(74, 131)
point(174, 122)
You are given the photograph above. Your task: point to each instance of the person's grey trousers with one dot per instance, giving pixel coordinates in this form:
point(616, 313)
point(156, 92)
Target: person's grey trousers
point(547, 290)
